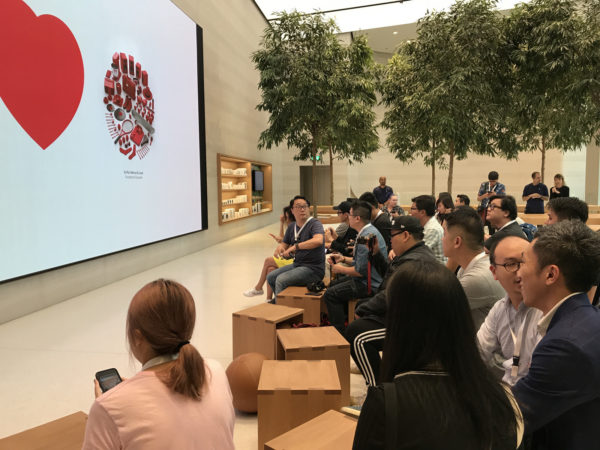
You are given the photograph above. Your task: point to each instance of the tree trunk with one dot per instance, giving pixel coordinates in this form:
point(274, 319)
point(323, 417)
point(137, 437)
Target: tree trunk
point(331, 201)
point(450, 167)
point(433, 169)
point(543, 150)
point(314, 177)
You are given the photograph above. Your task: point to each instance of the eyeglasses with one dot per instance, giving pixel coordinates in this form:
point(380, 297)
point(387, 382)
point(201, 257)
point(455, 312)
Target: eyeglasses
point(492, 207)
point(300, 206)
point(511, 267)
point(395, 234)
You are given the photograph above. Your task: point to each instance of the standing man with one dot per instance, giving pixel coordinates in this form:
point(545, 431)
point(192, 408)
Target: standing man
point(382, 192)
point(502, 215)
point(487, 189)
point(423, 208)
point(367, 333)
point(560, 396)
point(463, 244)
point(509, 333)
point(535, 193)
point(356, 284)
point(304, 239)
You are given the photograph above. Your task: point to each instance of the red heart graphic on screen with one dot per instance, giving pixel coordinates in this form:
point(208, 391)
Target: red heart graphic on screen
point(41, 80)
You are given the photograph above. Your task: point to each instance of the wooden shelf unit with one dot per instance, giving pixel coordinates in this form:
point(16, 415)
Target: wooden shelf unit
point(265, 198)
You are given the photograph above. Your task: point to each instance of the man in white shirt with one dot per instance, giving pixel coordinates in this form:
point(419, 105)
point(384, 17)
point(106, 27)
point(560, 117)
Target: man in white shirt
point(423, 208)
point(463, 244)
point(509, 333)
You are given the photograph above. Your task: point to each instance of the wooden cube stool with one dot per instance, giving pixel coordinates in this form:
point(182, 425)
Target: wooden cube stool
point(313, 305)
point(293, 392)
point(317, 343)
point(254, 328)
point(329, 430)
point(297, 297)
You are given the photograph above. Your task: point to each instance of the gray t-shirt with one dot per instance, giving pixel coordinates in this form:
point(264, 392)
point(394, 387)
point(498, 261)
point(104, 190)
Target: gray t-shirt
point(313, 258)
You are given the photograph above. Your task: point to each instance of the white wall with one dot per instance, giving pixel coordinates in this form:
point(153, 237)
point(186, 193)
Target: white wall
point(232, 32)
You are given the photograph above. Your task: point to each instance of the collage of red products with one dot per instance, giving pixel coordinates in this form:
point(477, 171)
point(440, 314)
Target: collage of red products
point(130, 106)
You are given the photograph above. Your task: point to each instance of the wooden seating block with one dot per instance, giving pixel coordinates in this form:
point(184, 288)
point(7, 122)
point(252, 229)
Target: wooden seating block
point(293, 392)
point(331, 429)
point(254, 328)
point(318, 343)
point(296, 297)
point(66, 433)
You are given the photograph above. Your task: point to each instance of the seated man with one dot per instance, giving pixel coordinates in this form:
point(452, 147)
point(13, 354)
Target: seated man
point(356, 284)
point(342, 244)
point(303, 239)
point(509, 333)
point(463, 243)
point(566, 208)
point(462, 200)
point(379, 219)
point(367, 333)
point(560, 396)
point(423, 208)
point(502, 215)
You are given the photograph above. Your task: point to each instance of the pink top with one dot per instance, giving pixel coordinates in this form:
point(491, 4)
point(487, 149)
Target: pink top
point(142, 413)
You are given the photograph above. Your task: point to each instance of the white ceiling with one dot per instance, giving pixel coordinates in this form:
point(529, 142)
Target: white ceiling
point(378, 22)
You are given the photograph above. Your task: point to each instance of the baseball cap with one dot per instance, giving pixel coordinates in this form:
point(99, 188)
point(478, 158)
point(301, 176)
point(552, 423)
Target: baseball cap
point(407, 223)
point(343, 207)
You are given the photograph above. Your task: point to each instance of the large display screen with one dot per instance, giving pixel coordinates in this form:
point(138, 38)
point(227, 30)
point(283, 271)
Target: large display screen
point(101, 129)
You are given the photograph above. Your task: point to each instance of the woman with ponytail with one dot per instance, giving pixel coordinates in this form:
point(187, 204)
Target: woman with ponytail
point(178, 399)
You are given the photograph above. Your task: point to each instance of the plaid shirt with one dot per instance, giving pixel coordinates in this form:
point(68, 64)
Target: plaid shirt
point(433, 239)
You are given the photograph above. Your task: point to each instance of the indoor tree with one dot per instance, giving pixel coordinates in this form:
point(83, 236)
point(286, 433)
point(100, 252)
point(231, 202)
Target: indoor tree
point(444, 90)
point(319, 93)
point(545, 51)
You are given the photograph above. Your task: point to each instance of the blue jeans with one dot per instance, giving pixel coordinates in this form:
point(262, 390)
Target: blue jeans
point(286, 276)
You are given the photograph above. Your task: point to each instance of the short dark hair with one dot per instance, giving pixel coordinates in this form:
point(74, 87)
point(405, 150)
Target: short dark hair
point(567, 208)
point(470, 223)
point(446, 201)
point(370, 198)
point(533, 174)
point(425, 203)
point(362, 209)
point(298, 197)
point(444, 329)
point(574, 248)
point(495, 244)
point(507, 203)
point(493, 176)
point(464, 198)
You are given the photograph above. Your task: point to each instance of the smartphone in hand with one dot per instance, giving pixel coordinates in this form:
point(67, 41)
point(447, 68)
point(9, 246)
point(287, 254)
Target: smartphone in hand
point(108, 378)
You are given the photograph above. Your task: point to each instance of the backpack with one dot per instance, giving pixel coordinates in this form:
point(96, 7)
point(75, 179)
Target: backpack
point(529, 230)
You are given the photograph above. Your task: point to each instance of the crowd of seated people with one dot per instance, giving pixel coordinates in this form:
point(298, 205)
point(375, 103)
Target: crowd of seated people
point(505, 348)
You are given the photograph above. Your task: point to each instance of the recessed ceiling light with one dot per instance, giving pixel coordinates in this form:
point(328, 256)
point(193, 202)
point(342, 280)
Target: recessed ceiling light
point(395, 32)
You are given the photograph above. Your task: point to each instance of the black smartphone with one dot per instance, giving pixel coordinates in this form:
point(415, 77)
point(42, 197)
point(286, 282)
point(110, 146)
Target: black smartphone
point(108, 378)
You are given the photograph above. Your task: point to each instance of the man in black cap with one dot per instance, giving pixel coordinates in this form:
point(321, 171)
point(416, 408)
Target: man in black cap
point(367, 333)
point(341, 243)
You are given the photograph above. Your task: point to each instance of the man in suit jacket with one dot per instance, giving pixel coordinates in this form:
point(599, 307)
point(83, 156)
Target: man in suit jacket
point(560, 396)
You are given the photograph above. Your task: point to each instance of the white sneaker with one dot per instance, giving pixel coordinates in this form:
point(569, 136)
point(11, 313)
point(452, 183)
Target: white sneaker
point(253, 292)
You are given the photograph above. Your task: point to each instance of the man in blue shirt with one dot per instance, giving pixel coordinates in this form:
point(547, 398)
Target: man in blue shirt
point(356, 284)
point(560, 395)
point(304, 239)
point(382, 192)
point(535, 193)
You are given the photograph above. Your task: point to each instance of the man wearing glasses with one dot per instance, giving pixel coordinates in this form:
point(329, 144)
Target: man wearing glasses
point(338, 242)
point(304, 240)
point(509, 334)
point(502, 215)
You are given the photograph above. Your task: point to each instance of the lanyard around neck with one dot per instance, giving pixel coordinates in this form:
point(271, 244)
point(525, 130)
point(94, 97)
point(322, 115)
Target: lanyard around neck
point(298, 231)
point(518, 343)
point(161, 359)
